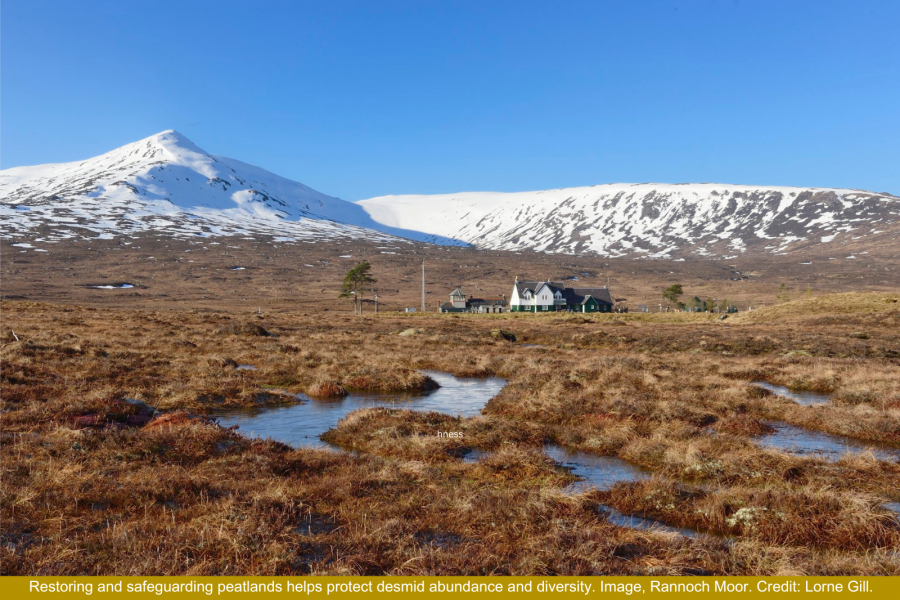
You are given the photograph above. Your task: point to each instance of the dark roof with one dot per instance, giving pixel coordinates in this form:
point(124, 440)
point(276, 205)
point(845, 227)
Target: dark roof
point(556, 287)
point(491, 302)
point(578, 295)
point(571, 295)
point(457, 292)
point(521, 286)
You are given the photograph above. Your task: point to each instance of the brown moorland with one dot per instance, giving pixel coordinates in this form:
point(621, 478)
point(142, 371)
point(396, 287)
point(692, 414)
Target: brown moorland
point(111, 464)
point(243, 275)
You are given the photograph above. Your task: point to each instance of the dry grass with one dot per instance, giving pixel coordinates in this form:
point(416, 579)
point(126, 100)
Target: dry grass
point(95, 484)
point(850, 303)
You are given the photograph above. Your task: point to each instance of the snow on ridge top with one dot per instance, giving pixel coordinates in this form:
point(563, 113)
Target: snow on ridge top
point(651, 218)
point(703, 188)
point(169, 141)
point(166, 182)
point(166, 166)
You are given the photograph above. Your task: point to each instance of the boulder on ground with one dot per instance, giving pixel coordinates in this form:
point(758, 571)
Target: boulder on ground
point(143, 408)
point(243, 329)
point(501, 334)
point(221, 361)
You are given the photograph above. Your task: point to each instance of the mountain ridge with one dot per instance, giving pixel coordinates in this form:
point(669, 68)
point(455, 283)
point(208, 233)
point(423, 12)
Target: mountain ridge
point(654, 220)
point(147, 186)
point(167, 184)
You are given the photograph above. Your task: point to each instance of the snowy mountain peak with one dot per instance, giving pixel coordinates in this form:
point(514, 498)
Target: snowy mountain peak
point(173, 142)
point(166, 182)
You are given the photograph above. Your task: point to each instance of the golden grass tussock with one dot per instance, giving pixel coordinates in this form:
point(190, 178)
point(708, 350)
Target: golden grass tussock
point(326, 389)
point(804, 515)
point(878, 304)
point(111, 464)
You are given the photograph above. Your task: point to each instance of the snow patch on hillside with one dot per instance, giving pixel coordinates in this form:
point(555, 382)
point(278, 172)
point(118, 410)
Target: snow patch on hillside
point(166, 184)
point(653, 220)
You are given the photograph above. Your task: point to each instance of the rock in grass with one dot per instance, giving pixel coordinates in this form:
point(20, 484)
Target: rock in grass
point(142, 407)
point(221, 361)
point(500, 334)
point(243, 329)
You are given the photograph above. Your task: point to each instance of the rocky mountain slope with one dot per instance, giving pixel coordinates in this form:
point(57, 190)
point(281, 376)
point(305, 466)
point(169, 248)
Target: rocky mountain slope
point(166, 184)
point(653, 220)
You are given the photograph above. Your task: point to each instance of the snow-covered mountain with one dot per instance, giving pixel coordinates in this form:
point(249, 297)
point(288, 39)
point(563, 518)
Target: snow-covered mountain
point(655, 220)
point(166, 184)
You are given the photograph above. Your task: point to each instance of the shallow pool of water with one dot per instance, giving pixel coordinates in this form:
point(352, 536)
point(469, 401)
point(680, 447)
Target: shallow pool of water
point(635, 522)
point(894, 507)
point(602, 473)
point(804, 398)
point(797, 440)
point(596, 472)
point(474, 455)
point(302, 424)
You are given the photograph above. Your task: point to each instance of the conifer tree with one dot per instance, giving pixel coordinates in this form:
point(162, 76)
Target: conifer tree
point(355, 282)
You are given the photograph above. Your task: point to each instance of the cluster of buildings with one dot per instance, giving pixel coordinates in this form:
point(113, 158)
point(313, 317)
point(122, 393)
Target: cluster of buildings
point(534, 296)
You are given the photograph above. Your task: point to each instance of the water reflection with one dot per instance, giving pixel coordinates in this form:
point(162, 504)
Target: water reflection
point(634, 522)
point(596, 472)
point(796, 440)
point(804, 398)
point(602, 473)
point(302, 424)
point(474, 455)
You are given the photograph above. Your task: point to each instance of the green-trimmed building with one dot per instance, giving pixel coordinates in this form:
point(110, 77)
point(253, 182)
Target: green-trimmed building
point(549, 296)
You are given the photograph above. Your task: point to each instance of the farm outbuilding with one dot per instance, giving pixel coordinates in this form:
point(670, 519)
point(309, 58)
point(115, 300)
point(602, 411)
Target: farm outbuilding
point(460, 303)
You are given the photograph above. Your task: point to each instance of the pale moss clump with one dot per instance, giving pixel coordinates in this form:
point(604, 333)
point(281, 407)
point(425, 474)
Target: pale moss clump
point(705, 468)
point(746, 517)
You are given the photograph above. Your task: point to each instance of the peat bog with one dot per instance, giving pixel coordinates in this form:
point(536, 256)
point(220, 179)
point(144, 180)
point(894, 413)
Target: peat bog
point(113, 464)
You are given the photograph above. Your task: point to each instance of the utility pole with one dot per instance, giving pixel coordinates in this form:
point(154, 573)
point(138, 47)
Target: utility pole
point(423, 285)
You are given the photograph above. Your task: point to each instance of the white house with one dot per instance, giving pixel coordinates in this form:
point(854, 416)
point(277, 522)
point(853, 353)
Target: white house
point(537, 296)
point(548, 296)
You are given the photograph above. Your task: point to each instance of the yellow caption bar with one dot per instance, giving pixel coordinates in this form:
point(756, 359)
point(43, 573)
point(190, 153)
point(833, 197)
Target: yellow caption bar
point(671, 588)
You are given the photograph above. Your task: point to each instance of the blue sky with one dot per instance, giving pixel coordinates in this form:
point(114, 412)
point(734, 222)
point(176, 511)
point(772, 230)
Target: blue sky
point(359, 99)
